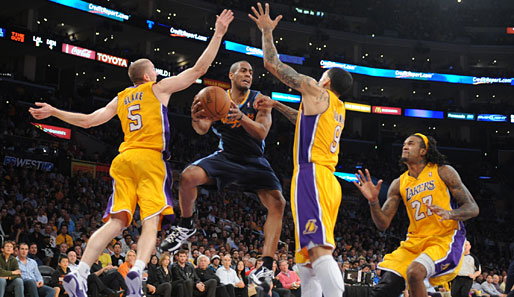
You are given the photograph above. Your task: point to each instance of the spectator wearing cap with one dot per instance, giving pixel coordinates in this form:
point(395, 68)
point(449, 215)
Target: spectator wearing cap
point(215, 263)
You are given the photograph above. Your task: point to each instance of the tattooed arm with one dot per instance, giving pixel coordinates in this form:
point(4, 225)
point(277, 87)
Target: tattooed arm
point(315, 99)
point(382, 216)
point(266, 102)
point(468, 208)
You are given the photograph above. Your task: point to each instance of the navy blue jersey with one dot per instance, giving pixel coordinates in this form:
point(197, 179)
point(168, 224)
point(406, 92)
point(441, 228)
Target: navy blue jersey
point(233, 137)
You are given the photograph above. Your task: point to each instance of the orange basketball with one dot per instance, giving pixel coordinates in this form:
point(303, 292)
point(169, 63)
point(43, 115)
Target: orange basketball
point(215, 102)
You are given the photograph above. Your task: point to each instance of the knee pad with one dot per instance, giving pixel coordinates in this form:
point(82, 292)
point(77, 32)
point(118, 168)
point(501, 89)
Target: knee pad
point(390, 285)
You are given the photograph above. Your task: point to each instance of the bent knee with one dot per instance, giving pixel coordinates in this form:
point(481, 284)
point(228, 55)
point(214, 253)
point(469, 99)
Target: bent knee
point(416, 272)
point(192, 176)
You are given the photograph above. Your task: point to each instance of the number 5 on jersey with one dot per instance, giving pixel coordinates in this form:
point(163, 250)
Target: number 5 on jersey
point(137, 121)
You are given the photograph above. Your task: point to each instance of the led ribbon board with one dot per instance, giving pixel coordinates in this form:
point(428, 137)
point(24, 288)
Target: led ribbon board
point(95, 9)
point(405, 74)
point(461, 116)
point(286, 97)
point(486, 117)
point(349, 177)
point(423, 113)
point(257, 52)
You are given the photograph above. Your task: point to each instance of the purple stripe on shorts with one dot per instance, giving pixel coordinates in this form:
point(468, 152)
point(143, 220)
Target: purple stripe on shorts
point(307, 207)
point(307, 126)
point(110, 202)
point(453, 258)
point(164, 113)
point(168, 184)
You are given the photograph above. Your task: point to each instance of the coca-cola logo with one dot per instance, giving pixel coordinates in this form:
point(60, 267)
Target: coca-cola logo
point(78, 51)
point(113, 60)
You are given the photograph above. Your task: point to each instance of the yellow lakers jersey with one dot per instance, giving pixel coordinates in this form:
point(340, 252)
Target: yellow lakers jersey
point(417, 193)
point(144, 119)
point(317, 136)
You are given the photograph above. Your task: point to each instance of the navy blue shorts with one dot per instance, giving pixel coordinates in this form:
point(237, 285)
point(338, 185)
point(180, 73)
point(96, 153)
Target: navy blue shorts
point(251, 173)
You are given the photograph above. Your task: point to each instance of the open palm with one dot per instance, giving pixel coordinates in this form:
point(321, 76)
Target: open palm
point(366, 186)
point(262, 18)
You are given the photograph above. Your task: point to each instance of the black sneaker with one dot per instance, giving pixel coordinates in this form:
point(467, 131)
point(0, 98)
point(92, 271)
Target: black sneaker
point(176, 238)
point(262, 278)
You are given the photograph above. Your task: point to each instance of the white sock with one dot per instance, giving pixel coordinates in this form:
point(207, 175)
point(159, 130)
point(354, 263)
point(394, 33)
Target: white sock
point(83, 269)
point(139, 266)
point(329, 275)
point(309, 282)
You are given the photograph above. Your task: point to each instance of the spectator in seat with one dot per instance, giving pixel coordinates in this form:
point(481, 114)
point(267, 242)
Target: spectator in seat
point(289, 279)
point(32, 280)
point(117, 258)
point(277, 288)
point(130, 259)
point(215, 263)
point(33, 254)
point(488, 287)
point(185, 277)
point(240, 272)
point(159, 277)
point(10, 274)
point(62, 251)
point(228, 277)
point(72, 259)
point(205, 274)
point(63, 236)
point(110, 278)
point(496, 283)
point(58, 275)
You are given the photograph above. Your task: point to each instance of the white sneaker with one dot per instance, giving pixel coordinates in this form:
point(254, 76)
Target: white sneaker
point(75, 285)
point(176, 238)
point(134, 284)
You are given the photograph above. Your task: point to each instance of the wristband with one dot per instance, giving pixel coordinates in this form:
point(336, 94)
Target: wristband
point(242, 115)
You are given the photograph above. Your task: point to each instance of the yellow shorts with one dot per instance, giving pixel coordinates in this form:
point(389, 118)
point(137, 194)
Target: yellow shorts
point(143, 177)
point(446, 252)
point(315, 200)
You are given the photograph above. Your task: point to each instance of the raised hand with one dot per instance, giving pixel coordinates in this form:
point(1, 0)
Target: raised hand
point(46, 110)
point(366, 186)
point(263, 102)
point(223, 20)
point(262, 18)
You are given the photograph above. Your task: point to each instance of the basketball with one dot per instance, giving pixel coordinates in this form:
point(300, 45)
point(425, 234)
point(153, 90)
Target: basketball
point(215, 102)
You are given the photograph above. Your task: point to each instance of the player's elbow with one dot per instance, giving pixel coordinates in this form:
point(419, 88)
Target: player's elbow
point(269, 66)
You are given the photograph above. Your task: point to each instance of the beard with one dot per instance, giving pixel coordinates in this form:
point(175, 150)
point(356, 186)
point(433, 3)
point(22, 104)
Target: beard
point(403, 160)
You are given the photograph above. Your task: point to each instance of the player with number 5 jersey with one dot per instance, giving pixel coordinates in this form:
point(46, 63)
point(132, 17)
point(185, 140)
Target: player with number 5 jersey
point(141, 175)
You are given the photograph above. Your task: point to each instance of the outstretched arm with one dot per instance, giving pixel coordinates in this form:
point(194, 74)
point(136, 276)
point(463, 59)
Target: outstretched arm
point(186, 78)
point(96, 118)
point(468, 208)
point(315, 98)
point(382, 217)
point(266, 102)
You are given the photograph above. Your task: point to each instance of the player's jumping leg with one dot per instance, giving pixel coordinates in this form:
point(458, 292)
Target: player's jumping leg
point(275, 203)
point(327, 271)
point(416, 274)
point(311, 285)
point(192, 177)
point(75, 283)
point(145, 246)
